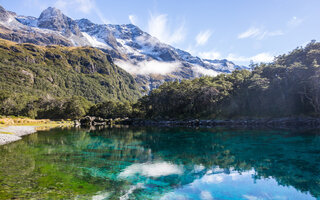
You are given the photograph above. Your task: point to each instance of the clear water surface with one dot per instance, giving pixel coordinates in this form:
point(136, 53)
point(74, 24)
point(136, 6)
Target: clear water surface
point(162, 163)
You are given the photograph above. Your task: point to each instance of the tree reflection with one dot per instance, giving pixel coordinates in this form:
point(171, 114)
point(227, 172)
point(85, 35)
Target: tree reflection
point(152, 161)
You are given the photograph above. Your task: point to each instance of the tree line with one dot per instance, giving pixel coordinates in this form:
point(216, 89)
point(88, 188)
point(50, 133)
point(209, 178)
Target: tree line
point(287, 87)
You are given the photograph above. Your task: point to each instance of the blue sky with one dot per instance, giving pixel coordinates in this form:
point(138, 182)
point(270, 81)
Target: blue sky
point(239, 30)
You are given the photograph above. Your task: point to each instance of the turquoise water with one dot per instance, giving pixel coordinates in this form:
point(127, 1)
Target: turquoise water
point(162, 163)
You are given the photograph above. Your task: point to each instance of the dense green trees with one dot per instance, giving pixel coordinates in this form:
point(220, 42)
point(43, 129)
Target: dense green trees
point(43, 107)
point(111, 109)
point(59, 82)
point(290, 86)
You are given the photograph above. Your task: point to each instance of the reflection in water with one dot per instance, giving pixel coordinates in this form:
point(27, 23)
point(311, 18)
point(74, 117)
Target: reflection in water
point(151, 170)
point(239, 186)
point(162, 163)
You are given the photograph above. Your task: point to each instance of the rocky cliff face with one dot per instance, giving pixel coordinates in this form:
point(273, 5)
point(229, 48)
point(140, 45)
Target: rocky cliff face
point(54, 19)
point(12, 29)
point(144, 56)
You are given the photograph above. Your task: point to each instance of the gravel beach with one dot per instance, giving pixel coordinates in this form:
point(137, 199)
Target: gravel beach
point(16, 133)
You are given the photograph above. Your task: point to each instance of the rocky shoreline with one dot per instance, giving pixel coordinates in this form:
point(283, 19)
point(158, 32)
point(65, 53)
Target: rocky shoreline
point(14, 133)
point(277, 122)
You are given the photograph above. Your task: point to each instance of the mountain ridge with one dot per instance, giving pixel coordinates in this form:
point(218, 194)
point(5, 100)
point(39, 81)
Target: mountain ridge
point(134, 50)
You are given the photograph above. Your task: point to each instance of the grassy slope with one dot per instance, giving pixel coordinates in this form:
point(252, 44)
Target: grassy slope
point(62, 72)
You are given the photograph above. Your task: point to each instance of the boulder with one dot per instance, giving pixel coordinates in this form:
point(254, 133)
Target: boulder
point(87, 121)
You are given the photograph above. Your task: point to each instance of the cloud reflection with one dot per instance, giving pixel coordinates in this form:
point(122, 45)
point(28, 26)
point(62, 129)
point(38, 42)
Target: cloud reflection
point(151, 169)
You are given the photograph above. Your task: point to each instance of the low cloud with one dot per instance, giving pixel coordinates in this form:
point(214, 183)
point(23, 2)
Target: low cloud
point(146, 41)
point(261, 57)
point(159, 28)
point(259, 33)
point(201, 71)
point(148, 67)
point(203, 37)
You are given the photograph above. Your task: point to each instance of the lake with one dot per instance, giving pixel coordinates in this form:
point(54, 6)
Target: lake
point(162, 163)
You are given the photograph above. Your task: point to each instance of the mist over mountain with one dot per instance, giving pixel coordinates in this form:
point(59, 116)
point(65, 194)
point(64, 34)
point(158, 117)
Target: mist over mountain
point(149, 60)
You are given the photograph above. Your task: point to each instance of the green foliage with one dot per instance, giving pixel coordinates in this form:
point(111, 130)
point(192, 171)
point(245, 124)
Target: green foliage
point(288, 87)
point(62, 82)
point(110, 109)
point(59, 82)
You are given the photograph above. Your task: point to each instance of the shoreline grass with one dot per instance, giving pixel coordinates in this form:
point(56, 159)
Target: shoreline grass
point(40, 124)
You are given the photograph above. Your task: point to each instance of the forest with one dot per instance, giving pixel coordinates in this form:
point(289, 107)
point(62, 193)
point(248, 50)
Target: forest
point(59, 82)
point(287, 87)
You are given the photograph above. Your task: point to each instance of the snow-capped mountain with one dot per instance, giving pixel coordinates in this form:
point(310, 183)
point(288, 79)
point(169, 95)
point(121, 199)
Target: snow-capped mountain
point(144, 56)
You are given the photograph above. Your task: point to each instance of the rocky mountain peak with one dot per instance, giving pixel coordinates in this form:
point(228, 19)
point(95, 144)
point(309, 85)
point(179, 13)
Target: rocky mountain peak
point(52, 13)
point(4, 15)
point(53, 19)
point(2, 10)
point(147, 58)
point(84, 22)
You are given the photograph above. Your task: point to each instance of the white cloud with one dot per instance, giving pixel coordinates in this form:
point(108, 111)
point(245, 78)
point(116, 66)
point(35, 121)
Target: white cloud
point(261, 57)
point(84, 6)
point(192, 50)
point(294, 21)
point(206, 195)
point(61, 4)
point(251, 32)
point(212, 55)
point(251, 197)
point(259, 33)
point(148, 67)
point(100, 15)
point(133, 19)
point(214, 179)
point(159, 28)
point(156, 169)
point(203, 37)
point(35, 3)
point(200, 71)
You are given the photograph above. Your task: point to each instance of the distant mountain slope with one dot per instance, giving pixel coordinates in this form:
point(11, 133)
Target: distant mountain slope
point(63, 72)
point(149, 60)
